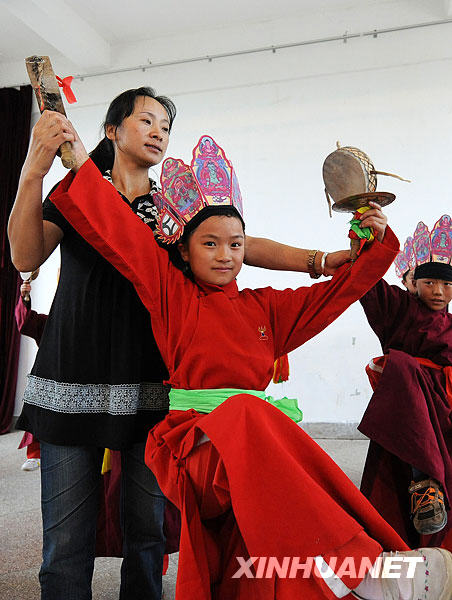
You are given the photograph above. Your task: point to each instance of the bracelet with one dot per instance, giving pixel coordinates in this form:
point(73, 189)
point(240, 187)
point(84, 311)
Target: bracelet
point(311, 264)
point(322, 262)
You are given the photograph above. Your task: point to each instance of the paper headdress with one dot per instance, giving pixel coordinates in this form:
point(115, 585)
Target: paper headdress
point(187, 190)
point(404, 261)
point(425, 247)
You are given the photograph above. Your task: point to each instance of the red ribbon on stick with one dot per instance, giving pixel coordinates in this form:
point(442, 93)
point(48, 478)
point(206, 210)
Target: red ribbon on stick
point(65, 83)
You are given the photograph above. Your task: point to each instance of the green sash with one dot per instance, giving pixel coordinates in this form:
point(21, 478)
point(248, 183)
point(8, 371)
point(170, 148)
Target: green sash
point(205, 401)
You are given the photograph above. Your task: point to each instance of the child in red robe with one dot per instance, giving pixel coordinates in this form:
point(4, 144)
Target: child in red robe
point(248, 481)
point(31, 324)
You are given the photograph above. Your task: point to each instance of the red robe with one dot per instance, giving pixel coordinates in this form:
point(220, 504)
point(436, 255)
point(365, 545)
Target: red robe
point(409, 417)
point(261, 486)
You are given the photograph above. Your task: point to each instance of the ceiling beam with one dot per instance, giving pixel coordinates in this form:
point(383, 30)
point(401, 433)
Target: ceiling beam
point(60, 26)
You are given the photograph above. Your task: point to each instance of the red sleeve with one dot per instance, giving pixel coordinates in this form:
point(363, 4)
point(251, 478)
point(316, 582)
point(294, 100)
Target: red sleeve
point(94, 208)
point(29, 322)
point(298, 315)
point(383, 305)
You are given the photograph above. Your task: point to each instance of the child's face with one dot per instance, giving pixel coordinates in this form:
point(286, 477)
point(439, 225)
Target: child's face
point(215, 250)
point(408, 282)
point(435, 293)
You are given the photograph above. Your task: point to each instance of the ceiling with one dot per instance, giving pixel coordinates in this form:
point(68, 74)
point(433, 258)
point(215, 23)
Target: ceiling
point(90, 35)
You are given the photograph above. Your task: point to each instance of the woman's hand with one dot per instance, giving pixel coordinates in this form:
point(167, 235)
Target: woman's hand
point(51, 130)
point(375, 218)
point(334, 260)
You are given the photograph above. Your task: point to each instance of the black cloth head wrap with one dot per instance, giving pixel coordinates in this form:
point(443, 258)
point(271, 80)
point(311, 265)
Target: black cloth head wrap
point(211, 211)
point(433, 270)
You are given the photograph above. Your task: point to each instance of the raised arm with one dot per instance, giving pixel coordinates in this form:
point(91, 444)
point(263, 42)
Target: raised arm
point(301, 314)
point(32, 240)
point(385, 305)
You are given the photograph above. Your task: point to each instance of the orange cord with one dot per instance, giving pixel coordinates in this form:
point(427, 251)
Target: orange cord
point(419, 500)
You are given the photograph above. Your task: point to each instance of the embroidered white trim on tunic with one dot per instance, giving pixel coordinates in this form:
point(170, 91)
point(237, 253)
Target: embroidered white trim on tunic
point(77, 398)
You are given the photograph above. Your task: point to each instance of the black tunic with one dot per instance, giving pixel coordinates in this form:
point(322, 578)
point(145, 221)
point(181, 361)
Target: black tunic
point(97, 377)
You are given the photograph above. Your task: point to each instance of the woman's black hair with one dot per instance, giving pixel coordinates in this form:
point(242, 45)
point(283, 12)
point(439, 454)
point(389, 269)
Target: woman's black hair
point(121, 107)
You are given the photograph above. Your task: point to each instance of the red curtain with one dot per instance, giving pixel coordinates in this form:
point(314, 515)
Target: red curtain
point(15, 117)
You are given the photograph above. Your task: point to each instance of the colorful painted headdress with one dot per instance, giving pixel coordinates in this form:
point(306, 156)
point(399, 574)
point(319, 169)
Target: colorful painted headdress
point(404, 261)
point(187, 191)
point(421, 244)
point(441, 241)
point(426, 248)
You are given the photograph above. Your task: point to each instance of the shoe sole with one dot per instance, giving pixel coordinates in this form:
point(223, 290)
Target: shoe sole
point(431, 530)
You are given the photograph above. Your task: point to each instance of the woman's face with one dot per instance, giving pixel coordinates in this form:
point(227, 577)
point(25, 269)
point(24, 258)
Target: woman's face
point(142, 138)
point(215, 250)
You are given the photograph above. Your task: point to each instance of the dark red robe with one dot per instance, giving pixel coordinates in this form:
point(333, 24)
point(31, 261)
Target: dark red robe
point(259, 485)
point(409, 417)
point(31, 324)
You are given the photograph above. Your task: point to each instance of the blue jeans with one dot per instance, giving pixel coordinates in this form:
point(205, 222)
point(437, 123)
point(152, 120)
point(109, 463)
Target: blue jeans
point(70, 488)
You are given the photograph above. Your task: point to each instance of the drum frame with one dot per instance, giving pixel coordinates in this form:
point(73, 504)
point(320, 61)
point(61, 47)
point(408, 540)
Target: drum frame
point(352, 203)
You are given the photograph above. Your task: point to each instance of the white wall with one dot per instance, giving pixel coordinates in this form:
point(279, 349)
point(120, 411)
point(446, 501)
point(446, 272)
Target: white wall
point(278, 116)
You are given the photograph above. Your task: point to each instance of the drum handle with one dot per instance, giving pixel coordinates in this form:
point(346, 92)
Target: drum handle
point(328, 199)
point(27, 295)
point(389, 175)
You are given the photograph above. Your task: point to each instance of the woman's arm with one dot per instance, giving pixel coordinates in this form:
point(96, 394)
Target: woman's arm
point(261, 252)
point(265, 253)
point(32, 240)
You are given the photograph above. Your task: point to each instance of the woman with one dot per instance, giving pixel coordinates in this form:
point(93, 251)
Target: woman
point(249, 483)
point(97, 378)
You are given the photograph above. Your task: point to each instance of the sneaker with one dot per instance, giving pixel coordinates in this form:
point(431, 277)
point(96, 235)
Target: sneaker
point(31, 464)
point(432, 578)
point(427, 506)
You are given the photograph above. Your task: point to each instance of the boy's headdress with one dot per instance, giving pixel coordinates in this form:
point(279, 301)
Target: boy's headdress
point(421, 244)
point(441, 241)
point(191, 193)
point(404, 260)
point(429, 253)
